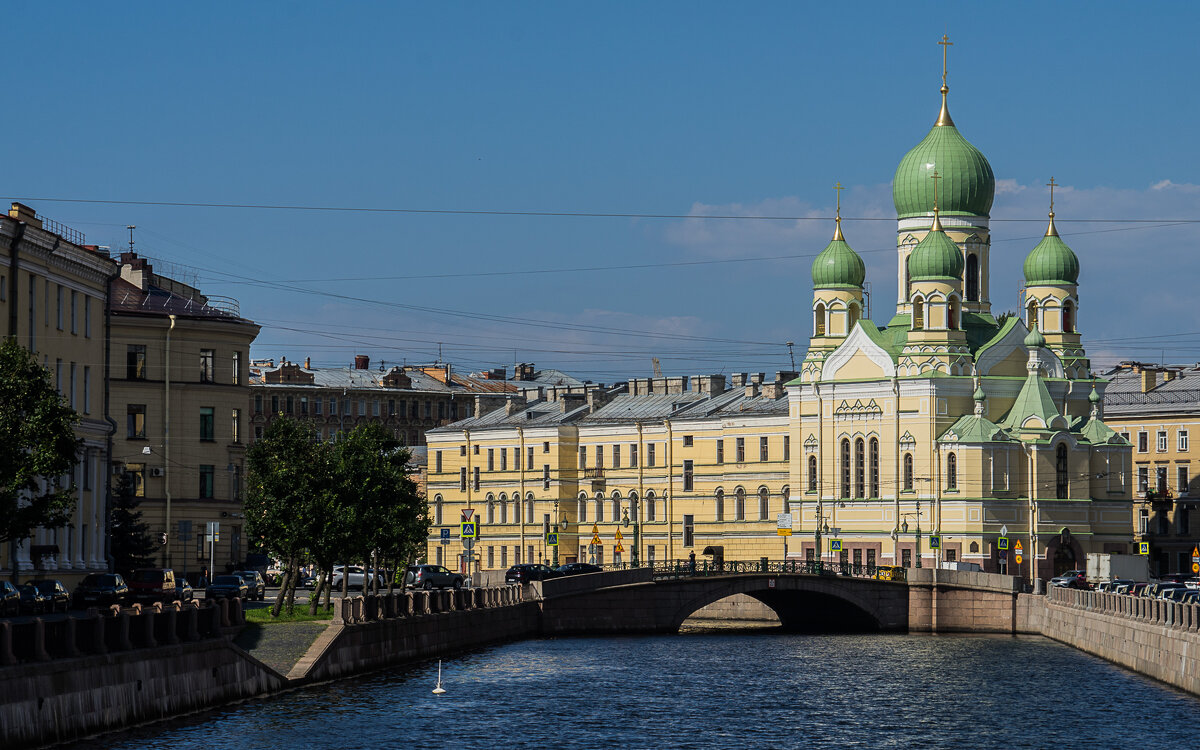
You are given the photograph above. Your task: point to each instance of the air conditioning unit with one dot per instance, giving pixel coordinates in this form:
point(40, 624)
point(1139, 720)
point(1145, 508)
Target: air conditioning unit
point(157, 471)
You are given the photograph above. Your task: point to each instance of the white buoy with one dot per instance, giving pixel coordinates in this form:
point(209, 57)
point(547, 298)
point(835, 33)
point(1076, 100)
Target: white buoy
point(438, 689)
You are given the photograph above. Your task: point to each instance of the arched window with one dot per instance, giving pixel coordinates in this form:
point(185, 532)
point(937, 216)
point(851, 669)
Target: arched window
point(918, 319)
point(951, 472)
point(907, 279)
point(908, 472)
point(972, 284)
point(845, 467)
point(874, 449)
point(600, 507)
point(764, 508)
point(491, 508)
point(974, 546)
point(739, 505)
point(719, 515)
point(860, 468)
point(1062, 480)
point(812, 473)
point(819, 319)
point(581, 509)
point(651, 513)
point(635, 512)
point(1068, 317)
point(529, 508)
point(952, 314)
point(784, 495)
point(437, 509)
point(853, 316)
point(1031, 316)
point(616, 506)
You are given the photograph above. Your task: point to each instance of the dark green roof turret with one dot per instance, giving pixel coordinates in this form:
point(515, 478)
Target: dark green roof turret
point(936, 256)
point(1051, 262)
point(838, 266)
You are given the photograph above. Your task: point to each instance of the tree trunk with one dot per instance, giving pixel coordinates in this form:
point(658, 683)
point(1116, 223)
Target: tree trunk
point(346, 581)
point(328, 588)
point(287, 572)
point(375, 573)
point(315, 603)
point(392, 578)
point(295, 579)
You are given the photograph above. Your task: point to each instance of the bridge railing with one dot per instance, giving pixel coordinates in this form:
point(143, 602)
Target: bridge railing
point(1156, 611)
point(675, 569)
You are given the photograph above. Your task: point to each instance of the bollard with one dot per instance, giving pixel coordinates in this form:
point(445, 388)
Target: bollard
point(145, 629)
point(70, 633)
point(170, 618)
point(421, 603)
point(191, 623)
point(344, 610)
point(39, 640)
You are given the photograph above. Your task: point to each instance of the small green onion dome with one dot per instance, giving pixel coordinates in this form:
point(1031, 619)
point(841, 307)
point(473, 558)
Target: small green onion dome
point(967, 185)
point(1034, 339)
point(979, 394)
point(936, 256)
point(838, 266)
point(1051, 262)
point(1094, 397)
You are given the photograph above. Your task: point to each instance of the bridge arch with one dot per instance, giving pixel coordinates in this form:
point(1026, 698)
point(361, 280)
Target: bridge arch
point(807, 604)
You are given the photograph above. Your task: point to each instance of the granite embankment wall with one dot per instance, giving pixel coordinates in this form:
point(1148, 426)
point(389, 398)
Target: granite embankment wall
point(958, 601)
point(736, 608)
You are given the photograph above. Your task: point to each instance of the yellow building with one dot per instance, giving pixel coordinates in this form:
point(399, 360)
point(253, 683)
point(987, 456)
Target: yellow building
point(53, 288)
point(179, 396)
point(1157, 409)
point(916, 443)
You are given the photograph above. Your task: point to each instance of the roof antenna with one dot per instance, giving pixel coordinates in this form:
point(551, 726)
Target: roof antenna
point(131, 227)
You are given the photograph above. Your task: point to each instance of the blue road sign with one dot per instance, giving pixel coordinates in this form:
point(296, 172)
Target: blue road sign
point(467, 530)
point(445, 536)
point(1002, 543)
point(935, 541)
point(552, 539)
point(835, 545)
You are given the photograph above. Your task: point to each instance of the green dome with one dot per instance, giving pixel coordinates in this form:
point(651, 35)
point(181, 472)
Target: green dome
point(967, 185)
point(1034, 339)
point(1051, 262)
point(935, 257)
point(838, 265)
point(1093, 397)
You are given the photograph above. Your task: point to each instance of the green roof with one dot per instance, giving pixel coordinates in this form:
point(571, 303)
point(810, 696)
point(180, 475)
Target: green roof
point(1097, 432)
point(1033, 401)
point(1051, 261)
point(838, 266)
point(935, 257)
point(967, 185)
point(974, 429)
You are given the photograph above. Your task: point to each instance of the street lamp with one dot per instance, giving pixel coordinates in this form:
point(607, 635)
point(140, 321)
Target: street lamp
point(554, 552)
point(636, 528)
point(904, 529)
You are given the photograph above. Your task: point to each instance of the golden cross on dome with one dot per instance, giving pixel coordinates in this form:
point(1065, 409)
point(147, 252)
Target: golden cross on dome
point(935, 177)
point(838, 187)
point(1052, 185)
point(946, 45)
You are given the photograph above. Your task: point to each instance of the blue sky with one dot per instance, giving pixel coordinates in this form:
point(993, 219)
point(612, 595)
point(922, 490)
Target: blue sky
point(684, 109)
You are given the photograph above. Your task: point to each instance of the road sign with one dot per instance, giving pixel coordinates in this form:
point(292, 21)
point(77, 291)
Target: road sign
point(618, 536)
point(552, 539)
point(935, 541)
point(1019, 558)
point(467, 513)
point(1143, 548)
point(596, 540)
point(835, 545)
point(781, 531)
point(595, 529)
point(1018, 547)
point(619, 549)
point(1003, 555)
point(1002, 543)
point(468, 529)
point(214, 531)
point(1196, 567)
point(783, 521)
point(468, 543)
point(446, 536)
point(1004, 530)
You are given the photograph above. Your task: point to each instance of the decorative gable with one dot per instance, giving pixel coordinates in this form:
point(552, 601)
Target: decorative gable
point(858, 356)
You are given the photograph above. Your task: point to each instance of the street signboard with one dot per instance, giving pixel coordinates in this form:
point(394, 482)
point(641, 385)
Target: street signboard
point(1003, 555)
point(446, 535)
point(468, 543)
point(552, 539)
point(783, 521)
point(214, 531)
point(1019, 547)
point(935, 541)
point(468, 529)
point(467, 513)
point(1002, 543)
point(1018, 552)
point(781, 531)
point(619, 549)
point(596, 540)
point(1143, 548)
point(835, 545)
point(1196, 559)
point(1004, 530)
point(1018, 558)
point(595, 529)
point(618, 536)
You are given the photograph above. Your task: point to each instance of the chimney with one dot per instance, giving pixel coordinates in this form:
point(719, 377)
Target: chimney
point(751, 390)
point(597, 398)
point(572, 401)
point(758, 378)
point(677, 385)
point(514, 405)
point(488, 402)
point(1168, 375)
point(1149, 379)
point(712, 385)
point(308, 363)
point(738, 379)
point(362, 362)
point(773, 390)
point(21, 212)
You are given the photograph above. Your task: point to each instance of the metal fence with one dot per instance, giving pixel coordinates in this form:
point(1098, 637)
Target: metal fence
point(674, 569)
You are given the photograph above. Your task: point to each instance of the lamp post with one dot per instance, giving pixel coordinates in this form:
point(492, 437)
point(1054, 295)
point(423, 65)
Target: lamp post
point(554, 551)
point(904, 529)
point(636, 528)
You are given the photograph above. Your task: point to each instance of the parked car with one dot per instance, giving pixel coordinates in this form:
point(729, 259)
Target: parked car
point(254, 583)
point(1114, 586)
point(1191, 596)
point(431, 577)
point(578, 568)
point(1138, 589)
point(101, 590)
point(1175, 594)
point(1164, 590)
point(10, 599)
point(56, 594)
point(1070, 579)
point(153, 585)
point(355, 574)
point(526, 572)
point(225, 587)
point(33, 602)
point(183, 590)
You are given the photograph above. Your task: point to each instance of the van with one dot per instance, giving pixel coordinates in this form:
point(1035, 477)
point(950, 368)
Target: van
point(153, 585)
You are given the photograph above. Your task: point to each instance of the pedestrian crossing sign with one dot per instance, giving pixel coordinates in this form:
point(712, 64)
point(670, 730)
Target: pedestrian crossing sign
point(468, 530)
point(935, 541)
point(552, 539)
point(1143, 548)
point(835, 545)
point(1002, 543)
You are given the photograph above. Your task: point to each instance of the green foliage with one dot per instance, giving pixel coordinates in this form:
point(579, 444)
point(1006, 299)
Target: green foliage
point(1004, 316)
point(38, 450)
point(130, 541)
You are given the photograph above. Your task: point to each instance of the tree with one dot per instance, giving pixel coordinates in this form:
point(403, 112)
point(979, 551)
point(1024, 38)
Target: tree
point(1002, 317)
point(38, 451)
point(130, 541)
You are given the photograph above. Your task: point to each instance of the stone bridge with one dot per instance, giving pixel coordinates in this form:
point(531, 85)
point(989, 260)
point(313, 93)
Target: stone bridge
point(641, 601)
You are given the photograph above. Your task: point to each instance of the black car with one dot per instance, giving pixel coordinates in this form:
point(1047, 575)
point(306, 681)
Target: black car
point(183, 590)
point(10, 599)
point(526, 572)
point(33, 602)
point(223, 587)
point(578, 568)
point(254, 583)
point(431, 577)
point(101, 590)
point(55, 593)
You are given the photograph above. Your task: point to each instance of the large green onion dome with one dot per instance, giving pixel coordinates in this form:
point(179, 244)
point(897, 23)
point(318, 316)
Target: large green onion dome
point(967, 185)
point(838, 266)
point(935, 257)
point(1051, 262)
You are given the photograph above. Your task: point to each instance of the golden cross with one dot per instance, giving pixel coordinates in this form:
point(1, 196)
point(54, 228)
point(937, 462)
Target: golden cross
point(946, 45)
point(935, 177)
point(838, 187)
point(1052, 186)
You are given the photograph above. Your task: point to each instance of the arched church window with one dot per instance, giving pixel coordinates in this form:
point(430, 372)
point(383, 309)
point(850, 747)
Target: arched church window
point(908, 472)
point(581, 510)
point(972, 280)
point(812, 473)
point(819, 320)
point(951, 472)
point(1062, 481)
point(952, 314)
point(874, 456)
point(651, 513)
point(853, 316)
point(720, 510)
point(860, 468)
point(918, 318)
point(764, 506)
point(845, 467)
point(739, 504)
point(1031, 316)
point(1068, 317)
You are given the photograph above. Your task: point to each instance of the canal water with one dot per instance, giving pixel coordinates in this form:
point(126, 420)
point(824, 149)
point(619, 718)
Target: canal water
point(717, 690)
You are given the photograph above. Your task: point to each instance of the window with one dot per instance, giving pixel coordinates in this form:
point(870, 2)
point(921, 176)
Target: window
point(906, 558)
point(206, 481)
point(650, 454)
point(545, 449)
point(812, 473)
point(274, 404)
point(819, 319)
point(546, 476)
point(739, 504)
point(763, 504)
point(787, 447)
point(428, 409)
point(689, 531)
point(87, 317)
point(763, 451)
point(1182, 480)
point(809, 555)
point(529, 457)
point(437, 509)
point(375, 408)
point(258, 404)
point(1031, 315)
point(135, 362)
point(59, 314)
point(599, 456)
point(633, 456)
point(1182, 445)
point(1162, 441)
point(952, 314)
point(491, 460)
point(1143, 441)
point(845, 468)
point(599, 507)
point(616, 506)
point(1061, 479)
point(475, 479)
point(1183, 523)
point(1068, 317)
point(87, 389)
point(235, 424)
point(462, 479)
point(972, 278)
point(874, 455)
point(1160, 476)
point(581, 509)
point(206, 365)
point(529, 513)
point(71, 399)
point(870, 559)
point(504, 459)
point(137, 477)
point(860, 468)
point(687, 441)
point(918, 315)
point(236, 368)
point(616, 456)
point(719, 506)
point(739, 450)
point(650, 507)
point(206, 423)
point(333, 407)
point(583, 456)
point(135, 421)
point(952, 471)
point(1143, 479)
point(437, 462)
point(304, 406)
point(291, 403)
point(720, 450)
point(362, 407)
point(688, 483)
point(74, 312)
point(32, 313)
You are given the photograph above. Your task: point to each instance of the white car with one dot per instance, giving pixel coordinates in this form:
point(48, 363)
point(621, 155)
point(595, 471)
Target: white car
point(356, 575)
